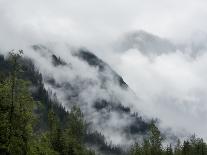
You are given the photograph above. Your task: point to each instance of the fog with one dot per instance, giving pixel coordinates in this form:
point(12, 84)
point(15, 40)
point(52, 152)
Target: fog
point(169, 84)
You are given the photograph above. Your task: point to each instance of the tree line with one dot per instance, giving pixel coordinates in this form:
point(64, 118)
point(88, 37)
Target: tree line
point(153, 145)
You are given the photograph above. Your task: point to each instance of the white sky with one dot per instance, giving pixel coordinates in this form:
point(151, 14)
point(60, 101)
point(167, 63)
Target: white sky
point(83, 22)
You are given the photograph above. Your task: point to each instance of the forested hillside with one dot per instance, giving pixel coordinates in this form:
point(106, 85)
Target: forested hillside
point(33, 122)
point(30, 122)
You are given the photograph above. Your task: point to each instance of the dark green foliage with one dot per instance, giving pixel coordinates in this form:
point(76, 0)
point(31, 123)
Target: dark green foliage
point(16, 106)
point(20, 134)
point(42, 107)
point(169, 150)
point(96, 139)
point(155, 139)
point(68, 140)
point(153, 146)
point(4, 116)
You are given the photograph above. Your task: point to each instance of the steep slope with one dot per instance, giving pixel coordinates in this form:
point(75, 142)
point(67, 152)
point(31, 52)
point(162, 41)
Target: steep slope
point(105, 99)
point(45, 100)
point(94, 61)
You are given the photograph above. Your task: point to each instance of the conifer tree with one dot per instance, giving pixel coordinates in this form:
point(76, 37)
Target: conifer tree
point(16, 107)
point(155, 139)
point(169, 150)
point(178, 148)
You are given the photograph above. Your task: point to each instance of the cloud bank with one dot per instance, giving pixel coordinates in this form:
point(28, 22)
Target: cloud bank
point(171, 85)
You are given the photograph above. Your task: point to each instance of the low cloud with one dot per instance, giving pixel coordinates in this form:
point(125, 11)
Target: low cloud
point(170, 86)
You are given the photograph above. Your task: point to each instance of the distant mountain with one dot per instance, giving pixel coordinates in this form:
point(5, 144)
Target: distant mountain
point(152, 45)
point(146, 43)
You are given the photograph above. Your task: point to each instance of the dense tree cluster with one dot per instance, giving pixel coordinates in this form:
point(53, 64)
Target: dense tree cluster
point(152, 145)
point(18, 120)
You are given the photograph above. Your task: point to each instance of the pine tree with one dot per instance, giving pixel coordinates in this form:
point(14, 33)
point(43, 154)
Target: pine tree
point(146, 147)
point(178, 148)
point(155, 139)
point(74, 134)
point(186, 148)
point(16, 112)
point(169, 150)
point(136, 149)
point(4, 116)
point(55, 132)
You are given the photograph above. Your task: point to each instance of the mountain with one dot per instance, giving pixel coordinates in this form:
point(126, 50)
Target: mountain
point(152, 45)
point(45, 100)
point(69, 77)
point(147, 43)
point(84, 79)
point(60, 78)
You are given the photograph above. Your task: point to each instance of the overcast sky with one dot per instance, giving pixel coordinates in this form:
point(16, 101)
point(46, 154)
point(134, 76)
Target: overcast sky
point(173, 87)
point(83, 22)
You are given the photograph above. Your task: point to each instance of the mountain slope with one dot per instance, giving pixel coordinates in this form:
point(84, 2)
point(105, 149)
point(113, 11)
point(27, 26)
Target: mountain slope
point(105, 99)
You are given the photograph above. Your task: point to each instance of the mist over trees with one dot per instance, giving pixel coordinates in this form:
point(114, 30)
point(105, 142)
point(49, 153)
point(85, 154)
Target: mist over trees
point(31, 123)
point(20, 115)
point(153, 145)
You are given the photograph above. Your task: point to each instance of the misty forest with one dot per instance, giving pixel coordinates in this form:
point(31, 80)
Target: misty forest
point(103, 77)
point(34, 122)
